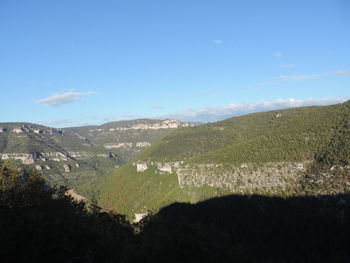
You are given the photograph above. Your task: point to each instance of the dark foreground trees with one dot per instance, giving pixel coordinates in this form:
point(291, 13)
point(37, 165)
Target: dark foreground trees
point(40, 224)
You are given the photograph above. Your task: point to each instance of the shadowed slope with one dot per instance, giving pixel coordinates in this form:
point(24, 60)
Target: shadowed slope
point(250, 229)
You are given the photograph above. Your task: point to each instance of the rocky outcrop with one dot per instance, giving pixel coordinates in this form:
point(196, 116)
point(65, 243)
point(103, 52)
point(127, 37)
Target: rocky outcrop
point(75, 196)
point(67, 168)
point(25, 158)
point(17, 130)
point(336, 168)
point(38, 167)
point(139, 217)
point(165, 168)
point(63, 156)
point(271, 177)
point(126, 145)
point(141, 166)
point(33, 129)
point(55, 156)
point(245, 178)
point(278, 115)
point(166, 124)
point(143, 144)
point(118, 145)
point(161, 168)
point(79, 155)
point(106, 155)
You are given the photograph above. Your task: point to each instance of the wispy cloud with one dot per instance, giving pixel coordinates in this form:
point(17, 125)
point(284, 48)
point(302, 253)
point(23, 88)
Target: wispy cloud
point(210, 114)
point(313, 76)
point(277, 54)
point(218, 41)
point(302, 77)
point(64, 98)
point(157, 107)
point(287, 66)
point(341, 72)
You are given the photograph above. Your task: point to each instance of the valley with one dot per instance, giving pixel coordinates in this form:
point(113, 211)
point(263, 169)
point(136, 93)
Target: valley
point(270, 153)
point(149, 192)
point(175, 131)
point(139, 166)
point(71, 156)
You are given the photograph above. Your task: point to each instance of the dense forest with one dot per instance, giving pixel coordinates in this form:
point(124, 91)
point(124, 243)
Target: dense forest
point(316, 137)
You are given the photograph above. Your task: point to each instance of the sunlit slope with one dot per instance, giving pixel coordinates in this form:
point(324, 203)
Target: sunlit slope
point(128, 191)
point(292, 134)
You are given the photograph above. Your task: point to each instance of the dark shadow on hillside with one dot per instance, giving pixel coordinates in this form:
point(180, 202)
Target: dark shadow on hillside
point(42, 224)
point(249, 229)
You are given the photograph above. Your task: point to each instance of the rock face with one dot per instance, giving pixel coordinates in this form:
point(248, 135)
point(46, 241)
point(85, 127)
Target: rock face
point(299, 166)
point(67, 168)
point(271, 177)
point(118, 145)
point(17, 130)
point(139, 217)
point(25, 158)
point(73, 194)
point(55, 156)
point(336, 167)
point(28, 158)
point(278, 115)
point(38, 167)
point(166, 124)
point(244, 178)
point(141, 166)
point(126, 145)
point(64, 156)
point(143, 144)
point(165, 168)
point(244, 165)
point(162, 168)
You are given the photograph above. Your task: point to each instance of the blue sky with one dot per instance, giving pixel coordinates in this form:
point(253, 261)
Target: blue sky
point(76, 62)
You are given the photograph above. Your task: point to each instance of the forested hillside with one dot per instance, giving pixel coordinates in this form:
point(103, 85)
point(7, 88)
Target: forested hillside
point(271, 153)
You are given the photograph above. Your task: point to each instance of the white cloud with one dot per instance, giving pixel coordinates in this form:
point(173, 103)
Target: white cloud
point(287, 66)
point(64, 98)
point(277, 54)
point(313, 76)
point(210, 114)
point(218, 41)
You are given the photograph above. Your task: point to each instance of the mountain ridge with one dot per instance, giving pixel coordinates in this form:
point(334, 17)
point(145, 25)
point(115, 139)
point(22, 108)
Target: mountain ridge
point(71, 156)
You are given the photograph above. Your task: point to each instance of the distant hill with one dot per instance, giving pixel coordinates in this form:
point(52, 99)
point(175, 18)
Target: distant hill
point(72, 156)
point(269, 153)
